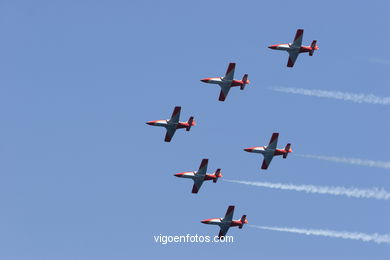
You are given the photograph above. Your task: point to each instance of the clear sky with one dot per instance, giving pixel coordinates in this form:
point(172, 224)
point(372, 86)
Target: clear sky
point(83, 176)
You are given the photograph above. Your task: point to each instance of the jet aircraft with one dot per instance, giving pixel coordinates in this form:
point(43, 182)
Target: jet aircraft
point(227, 81)
point(270, 151)
point(226, 222)
point(173, 123)
point(200, 176)
point(295, 48)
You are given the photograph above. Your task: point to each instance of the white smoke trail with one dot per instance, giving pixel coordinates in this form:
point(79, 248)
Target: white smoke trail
point(346, 96)
point(373, 193)
point(355, 161)
point(380, 61)
point(377, 238)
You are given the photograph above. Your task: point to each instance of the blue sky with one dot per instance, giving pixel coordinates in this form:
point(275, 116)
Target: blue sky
point(83, 176)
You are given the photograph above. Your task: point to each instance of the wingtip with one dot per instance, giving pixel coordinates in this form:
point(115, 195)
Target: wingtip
point(194, 190)
point(264, 166)
point(222, 97)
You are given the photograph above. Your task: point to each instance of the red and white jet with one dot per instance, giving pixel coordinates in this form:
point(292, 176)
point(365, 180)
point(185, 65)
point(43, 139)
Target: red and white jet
point(173, 123)
point(200, 176)
point(226, 222)
point(295, 48)
point(270, 151)
point(227, 82)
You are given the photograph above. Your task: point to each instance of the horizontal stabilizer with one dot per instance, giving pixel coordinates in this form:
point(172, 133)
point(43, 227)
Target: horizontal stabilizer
point(244, 81)
point(313, 47)
point(218, 174)
point(190, 122)
point(243, 221)
point(287, 150)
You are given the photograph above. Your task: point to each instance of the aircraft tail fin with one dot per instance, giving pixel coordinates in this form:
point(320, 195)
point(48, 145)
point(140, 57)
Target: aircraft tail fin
point(243, 221)
point(287, 149)
point(191, 122)
point(313, 47)
point(218, 174)
point(245, 80)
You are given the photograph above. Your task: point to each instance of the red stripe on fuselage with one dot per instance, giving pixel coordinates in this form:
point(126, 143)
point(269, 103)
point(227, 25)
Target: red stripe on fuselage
point(182, 125)
point(279, 152)
point(306, 49)
point(237, 83)
point(236, 223)
point(208, 177)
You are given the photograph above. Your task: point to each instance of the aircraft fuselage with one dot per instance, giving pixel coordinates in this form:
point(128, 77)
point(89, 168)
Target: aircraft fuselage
point(220, 222)
point(223, 83)
point(192, 175)
point(263, 150)
point(167, 124)
point(290, 48)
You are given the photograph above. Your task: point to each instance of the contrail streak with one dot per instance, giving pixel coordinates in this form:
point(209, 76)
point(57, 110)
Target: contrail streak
point(375, 237)
point(355, 161)
point(346, 96)
point(380, 61)
point(373, 193)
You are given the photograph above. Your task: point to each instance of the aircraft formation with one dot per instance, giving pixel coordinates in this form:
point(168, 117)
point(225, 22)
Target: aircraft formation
point(269, 151)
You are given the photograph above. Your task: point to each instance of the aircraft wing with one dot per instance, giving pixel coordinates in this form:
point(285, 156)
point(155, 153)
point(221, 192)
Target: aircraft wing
point(197, 184)
point(229, 214)
point(199, 175)
point(175, 115)
point(170, 132)
point(223, 230)
point(203, 167)
point(293, 55)
point(224, 92)
point(230, 71)
point(267, 160)
point(298, 38)
point(273, 142)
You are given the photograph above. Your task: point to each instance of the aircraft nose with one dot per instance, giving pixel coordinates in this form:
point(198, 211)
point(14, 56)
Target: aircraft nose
point(248, 149)
point(177, 175)
point(149, 123)
point(273, 47)
point(204, 221)
point(204, 80)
